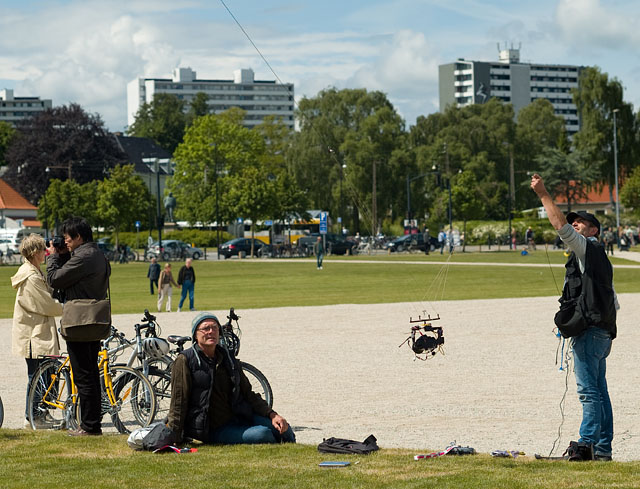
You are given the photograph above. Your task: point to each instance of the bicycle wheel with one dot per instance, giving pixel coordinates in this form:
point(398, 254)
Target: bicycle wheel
point(135, 400)
point(259, 383)
point(161, 382)
point(1, 412)
point(50, 404)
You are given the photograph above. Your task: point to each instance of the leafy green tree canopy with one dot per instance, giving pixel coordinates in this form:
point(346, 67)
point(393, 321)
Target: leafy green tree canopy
point(567, 175)
point(163, 120)
point(123, 198)
point(596, 98)
point(630, 191)
point(67, 198)
point(214, 148)
point(7, 132)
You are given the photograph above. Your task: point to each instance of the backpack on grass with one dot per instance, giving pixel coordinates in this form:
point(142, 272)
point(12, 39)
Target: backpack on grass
point(152, 437)
point(342, 445)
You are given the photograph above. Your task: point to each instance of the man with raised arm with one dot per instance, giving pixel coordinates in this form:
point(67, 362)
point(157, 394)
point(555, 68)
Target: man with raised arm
point(588, 309)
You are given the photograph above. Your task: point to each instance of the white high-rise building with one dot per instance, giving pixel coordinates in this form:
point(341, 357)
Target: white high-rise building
point(465, 82)
point(258, 98)
point(14, 109)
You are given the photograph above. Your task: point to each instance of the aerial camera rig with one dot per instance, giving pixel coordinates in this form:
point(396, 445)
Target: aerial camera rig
point(425, 339)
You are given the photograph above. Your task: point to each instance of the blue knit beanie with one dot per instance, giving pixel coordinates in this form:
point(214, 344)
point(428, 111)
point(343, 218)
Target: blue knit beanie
point(198, 319)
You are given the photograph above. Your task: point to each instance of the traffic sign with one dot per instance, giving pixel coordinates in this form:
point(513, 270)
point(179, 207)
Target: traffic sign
point(323, 222)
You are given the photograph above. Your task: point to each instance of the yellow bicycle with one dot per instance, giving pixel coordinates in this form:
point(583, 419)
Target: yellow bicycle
point(127, 396)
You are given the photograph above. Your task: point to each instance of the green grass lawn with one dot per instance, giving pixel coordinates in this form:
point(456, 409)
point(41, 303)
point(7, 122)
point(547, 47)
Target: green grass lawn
point(346, 280)
point(33, 460)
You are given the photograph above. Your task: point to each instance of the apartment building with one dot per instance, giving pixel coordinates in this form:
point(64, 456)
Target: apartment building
point(259, 98)
point(466, 82)
point(14, 109)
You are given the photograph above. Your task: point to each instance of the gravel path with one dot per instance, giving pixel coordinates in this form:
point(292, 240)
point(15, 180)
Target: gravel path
point(338, 371)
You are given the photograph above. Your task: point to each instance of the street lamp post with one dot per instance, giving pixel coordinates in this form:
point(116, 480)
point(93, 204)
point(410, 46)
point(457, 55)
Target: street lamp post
point(435, 170)
point(159, 214)
point(615, 165)
point(409, 180)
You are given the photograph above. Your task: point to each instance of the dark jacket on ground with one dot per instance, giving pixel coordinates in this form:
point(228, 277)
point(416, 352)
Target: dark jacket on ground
point(593, 288)
point(206, 395)
point(186, 274)
point(83, 274)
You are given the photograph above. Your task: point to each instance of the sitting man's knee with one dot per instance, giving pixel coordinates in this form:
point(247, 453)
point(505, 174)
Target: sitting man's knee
point(258, 434)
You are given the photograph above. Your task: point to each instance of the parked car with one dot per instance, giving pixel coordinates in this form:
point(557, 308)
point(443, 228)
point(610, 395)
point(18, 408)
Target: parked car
point(237, 245)
point(411, 241)
point(6, 244)
point(172, 249)
point(336, 244)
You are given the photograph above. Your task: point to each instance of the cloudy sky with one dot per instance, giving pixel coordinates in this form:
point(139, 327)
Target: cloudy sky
point(86, 51)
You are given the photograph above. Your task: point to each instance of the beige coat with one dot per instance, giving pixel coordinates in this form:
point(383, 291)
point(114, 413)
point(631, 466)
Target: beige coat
point(34, 328)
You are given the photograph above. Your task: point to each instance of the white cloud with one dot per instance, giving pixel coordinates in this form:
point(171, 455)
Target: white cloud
point(587, 25)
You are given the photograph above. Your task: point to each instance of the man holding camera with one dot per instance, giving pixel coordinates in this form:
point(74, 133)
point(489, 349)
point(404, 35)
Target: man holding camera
point(80, 270)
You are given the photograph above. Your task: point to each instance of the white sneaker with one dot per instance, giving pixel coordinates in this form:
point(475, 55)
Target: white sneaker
point(179, 309)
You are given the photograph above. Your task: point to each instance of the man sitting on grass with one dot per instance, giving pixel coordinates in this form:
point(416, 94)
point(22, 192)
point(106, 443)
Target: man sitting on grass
point(211, 398)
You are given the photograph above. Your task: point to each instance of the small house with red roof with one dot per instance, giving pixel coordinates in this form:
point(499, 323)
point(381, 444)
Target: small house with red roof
point(14, 207)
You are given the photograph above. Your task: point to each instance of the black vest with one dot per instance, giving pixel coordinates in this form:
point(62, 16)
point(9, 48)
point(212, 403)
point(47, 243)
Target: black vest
point(593, 288)
point(202, 383)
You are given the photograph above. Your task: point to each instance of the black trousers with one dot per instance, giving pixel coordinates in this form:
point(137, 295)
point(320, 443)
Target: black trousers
point(84, 362)
point(151, 282)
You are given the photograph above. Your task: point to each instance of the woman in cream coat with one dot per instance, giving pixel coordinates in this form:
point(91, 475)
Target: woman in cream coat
point(34, 328)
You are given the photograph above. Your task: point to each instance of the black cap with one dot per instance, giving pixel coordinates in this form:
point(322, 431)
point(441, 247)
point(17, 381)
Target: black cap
point(572, 216)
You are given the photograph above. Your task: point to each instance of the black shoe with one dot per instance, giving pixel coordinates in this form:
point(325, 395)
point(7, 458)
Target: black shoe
point(602, 458)
point(579, 452)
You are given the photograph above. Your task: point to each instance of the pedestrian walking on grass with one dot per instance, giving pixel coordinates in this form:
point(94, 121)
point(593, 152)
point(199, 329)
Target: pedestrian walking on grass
point(187, 280)
point(153, 274)
point(318, 250)
point(165, 290)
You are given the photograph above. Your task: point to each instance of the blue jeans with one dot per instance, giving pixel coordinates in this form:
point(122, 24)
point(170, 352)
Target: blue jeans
point(590, 351)
point(319, 258)
point(187, 286)
point(261, 431)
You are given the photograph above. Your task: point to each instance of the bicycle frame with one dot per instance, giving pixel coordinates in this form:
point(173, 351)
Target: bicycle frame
point(54, 377)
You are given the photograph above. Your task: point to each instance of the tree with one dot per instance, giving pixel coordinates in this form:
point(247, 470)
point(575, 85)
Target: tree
point(66, 198)
point(476, 138)
point(467, 201)
point(538, 128)
point(568, 175)
point(630, 191)
point(214, 149)
point(250, 195)
point(59, 143)
point(198, 107)
point(7, 133)
point(344, 135)
point(122, 199)
point(163, 120)
point(596, 98)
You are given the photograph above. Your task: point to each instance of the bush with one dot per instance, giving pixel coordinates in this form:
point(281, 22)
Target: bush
point(197, 237)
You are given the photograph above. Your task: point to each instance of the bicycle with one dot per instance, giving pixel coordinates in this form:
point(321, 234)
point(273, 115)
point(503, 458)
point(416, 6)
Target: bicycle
point(231, 339)
point(127, 395)
point(149, 355)
point(154, 358)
